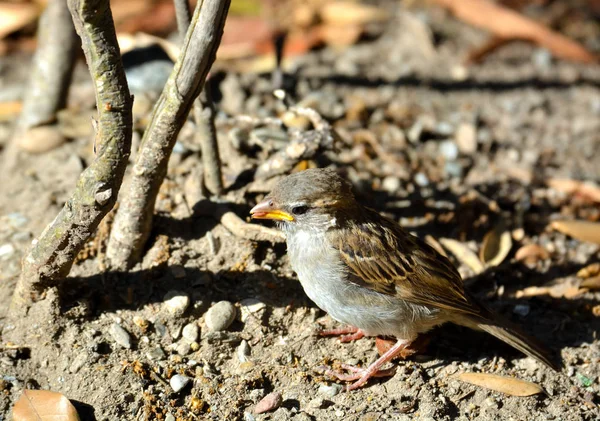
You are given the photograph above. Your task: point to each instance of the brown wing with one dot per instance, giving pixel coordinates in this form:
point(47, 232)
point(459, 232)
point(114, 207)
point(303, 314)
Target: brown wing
point(384, 257)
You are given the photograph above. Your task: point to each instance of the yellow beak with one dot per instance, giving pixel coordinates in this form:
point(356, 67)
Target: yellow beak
point(266, 210)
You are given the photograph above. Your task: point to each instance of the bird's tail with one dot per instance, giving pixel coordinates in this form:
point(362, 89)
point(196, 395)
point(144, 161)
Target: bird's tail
point(521, 341)
point(506, 331)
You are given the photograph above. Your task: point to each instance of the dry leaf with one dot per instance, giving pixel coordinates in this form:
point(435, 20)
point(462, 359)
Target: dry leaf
point(464, 254)
point(340, 35)
point(508, 24)
point(496, 246)
point(575, 187)
point(531, 253)
point(580, 230)
point(568, 290)
point(10, 110)
point(43, 405)
point(591, 283)
point(509, 385)
point(15, 16)
point(128, 42)
point(351, 13)
point(589, 271)
point(435, 244)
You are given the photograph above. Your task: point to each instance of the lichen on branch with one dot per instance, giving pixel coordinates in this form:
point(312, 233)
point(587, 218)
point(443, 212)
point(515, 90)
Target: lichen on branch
point(134, 217)
point(51, 256)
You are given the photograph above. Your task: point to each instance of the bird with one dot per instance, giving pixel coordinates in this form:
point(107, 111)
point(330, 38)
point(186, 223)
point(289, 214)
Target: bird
point(367, 272)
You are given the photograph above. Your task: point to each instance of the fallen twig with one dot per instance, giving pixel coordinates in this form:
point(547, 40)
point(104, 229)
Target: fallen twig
point(304, 145)
point(253, 232)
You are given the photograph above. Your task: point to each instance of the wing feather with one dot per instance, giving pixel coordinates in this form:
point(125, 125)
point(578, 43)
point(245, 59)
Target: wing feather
point(384, 257)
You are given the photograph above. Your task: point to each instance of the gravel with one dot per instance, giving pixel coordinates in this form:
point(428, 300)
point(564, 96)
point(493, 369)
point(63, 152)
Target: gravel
point(120, 335)
point(220, 316)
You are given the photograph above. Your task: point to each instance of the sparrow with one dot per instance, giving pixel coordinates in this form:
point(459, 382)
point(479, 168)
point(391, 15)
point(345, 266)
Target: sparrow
point(366, 271)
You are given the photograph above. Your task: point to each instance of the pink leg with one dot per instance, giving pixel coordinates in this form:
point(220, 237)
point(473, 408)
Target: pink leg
point(350, 333)
point(361, 375)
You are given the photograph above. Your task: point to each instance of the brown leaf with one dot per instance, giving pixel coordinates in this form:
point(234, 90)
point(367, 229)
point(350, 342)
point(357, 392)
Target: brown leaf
point(496, 246)
point(10, 110)
point(566, 290)
point(128, 42)
point(580, 230)
point(591, 283)
point(531, 253)
point(340, 35)
point(589, 271)
point(15, 16)
point(569, 186)
point(509, 385)
point(508, 24)
point(351, 13)
point(464, 254)
point(43, 405)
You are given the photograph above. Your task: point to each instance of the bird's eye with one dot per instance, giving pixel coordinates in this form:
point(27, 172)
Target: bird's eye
point(300, 209)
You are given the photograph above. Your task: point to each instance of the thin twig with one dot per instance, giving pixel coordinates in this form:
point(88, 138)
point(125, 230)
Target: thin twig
point(204, 114)
point(254, 232)
point(134, 218)
point(52, 254)
point(52, 66)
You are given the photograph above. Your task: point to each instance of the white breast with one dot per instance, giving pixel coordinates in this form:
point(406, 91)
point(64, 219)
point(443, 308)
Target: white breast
point(325, 280)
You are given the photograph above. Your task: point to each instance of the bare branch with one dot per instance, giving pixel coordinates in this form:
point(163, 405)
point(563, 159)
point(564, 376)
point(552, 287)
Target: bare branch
point(52, 66)
point(206, 133)
point(204, 114)
point(134, 218)
point(52, 254)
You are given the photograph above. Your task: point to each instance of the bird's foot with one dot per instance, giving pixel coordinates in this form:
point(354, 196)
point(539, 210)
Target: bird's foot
point(347, 334)
point(360, 375)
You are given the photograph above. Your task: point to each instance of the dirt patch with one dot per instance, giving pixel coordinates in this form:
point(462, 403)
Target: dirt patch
point(404, 118)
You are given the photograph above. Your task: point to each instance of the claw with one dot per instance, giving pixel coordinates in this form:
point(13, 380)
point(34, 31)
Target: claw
point(360, 375)
point(348, 334)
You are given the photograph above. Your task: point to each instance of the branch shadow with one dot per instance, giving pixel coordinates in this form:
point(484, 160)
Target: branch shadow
point(555, 322)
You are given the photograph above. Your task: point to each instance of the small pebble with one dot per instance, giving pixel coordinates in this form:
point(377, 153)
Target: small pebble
point(329, 391)
point(41, 139)
point(176, 302)
point(316, 403)
point(190, 332)
point(184, 348)
point(453, 169)
point(6, 250)
point(220, 316)
point(248, 416)
point(269, 403)
point(78, 362)
point(444, 128)
point(155, 354)
point(542, 58)
point(16, 220)
point(178, 382)
point(466, 138)
point(421, 179)
point(391, 184)
point(521, 309)
point(160, 329)
point(243, 350)
point(250, 306)
point(449, 150)
point(120, 335)
point(169, 417)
